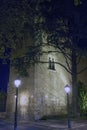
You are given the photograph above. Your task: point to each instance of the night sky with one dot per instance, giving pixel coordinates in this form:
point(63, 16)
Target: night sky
point(4, 76)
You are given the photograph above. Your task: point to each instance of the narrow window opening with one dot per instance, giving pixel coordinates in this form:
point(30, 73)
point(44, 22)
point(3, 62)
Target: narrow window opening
point(51, 64)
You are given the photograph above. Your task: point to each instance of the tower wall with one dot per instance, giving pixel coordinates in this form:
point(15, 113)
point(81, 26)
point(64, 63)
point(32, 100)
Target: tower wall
point(25, 96)
point(42, 93)
point(50, 97)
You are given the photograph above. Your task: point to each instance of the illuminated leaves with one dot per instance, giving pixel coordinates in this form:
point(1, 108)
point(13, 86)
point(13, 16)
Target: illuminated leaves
point(82, 97)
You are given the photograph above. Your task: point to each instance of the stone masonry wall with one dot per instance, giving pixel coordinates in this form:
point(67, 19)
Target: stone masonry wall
point(50, 97)
point(42, 93)
point(25, 96)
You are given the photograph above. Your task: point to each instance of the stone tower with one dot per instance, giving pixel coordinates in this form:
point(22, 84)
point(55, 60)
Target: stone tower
point(42, 93)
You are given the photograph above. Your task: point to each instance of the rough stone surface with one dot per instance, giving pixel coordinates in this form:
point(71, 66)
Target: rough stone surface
point(42, 93)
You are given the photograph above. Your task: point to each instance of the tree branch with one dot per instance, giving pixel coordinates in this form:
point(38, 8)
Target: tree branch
point(82, 70)
point(55, 63)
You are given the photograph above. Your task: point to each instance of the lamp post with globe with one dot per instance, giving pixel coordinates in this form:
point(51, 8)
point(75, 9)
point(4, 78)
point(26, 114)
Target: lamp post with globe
point(67, 90)
point(17, 83)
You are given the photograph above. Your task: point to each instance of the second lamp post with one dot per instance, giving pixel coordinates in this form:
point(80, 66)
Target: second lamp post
point(67, 90)
point(17, 83)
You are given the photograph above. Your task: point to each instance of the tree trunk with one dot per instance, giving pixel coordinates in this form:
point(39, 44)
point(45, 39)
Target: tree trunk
point(74, 84)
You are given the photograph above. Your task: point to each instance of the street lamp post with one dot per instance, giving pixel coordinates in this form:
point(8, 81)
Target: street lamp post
point(17, 83)
point(67, 90)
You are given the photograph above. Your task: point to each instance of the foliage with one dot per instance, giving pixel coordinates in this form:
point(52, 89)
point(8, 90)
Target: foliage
point(60, 117)
point(82, 97)
point(17, 20)
point(2, 95)
point(21, 26)
point(22, 23)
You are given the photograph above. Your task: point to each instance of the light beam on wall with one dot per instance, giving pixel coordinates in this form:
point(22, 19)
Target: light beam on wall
point(24, 99)
point(64, 79)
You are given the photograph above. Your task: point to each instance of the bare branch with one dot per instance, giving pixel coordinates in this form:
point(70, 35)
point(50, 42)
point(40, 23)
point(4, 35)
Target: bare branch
point(79, 59)
point(82, 70)
point(55, 63)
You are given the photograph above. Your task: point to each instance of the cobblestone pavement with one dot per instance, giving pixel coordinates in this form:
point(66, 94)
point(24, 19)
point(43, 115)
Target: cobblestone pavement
point(10, 126)
point(44, 125)
point(56, 125)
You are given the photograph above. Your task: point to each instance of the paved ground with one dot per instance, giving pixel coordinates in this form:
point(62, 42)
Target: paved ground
point(56, 125)
point(44, 125)
point(21, 126)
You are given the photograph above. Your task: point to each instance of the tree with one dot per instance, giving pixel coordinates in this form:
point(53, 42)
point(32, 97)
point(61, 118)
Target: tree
point(65, 32)
point(16, 33)
point(3, 97)
point(22, 24)
point(82, 98)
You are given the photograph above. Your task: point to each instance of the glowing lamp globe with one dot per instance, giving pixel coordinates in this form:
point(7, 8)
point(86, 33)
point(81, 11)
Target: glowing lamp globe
point(67, 88)
point(17, 82)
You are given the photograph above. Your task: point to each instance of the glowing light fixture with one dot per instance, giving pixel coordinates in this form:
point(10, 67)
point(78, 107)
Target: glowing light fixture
point(17, 82)
point(67, 88)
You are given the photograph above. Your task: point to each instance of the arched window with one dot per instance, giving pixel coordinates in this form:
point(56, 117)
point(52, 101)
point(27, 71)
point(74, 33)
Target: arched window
point(51, 63)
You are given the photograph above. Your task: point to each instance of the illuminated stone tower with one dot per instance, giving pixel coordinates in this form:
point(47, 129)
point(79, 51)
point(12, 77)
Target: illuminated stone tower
point(42, 93)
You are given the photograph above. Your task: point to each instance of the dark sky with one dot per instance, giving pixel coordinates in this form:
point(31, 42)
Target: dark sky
point(4, 76)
